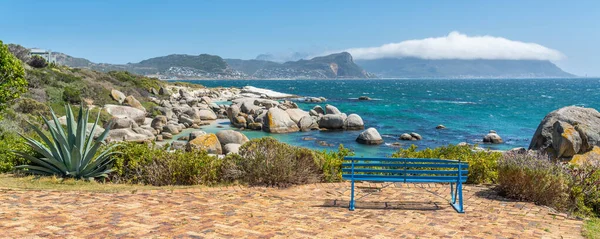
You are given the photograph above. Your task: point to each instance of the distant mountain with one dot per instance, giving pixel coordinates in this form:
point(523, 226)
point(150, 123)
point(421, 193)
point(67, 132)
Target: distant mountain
point(339, 65)
point(454, 68)
point(296, 56)
point(176, 65)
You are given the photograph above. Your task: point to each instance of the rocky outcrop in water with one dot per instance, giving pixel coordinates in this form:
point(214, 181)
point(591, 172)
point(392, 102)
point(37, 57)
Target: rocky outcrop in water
point(492, 138)
point(369, 136)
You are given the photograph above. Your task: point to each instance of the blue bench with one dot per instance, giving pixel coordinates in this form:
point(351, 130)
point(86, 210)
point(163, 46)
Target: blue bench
point(408, 170)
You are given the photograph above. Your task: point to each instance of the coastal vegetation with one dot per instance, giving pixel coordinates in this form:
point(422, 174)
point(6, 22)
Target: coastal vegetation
point(67, 148)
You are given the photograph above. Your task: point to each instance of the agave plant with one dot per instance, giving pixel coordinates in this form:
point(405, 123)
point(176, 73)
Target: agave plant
point(71, 152)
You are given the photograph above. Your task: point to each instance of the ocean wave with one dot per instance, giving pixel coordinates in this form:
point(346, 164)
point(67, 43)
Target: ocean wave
point(452, 102)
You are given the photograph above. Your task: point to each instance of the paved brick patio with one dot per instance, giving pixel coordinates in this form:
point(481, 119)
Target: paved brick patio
point(314, 211)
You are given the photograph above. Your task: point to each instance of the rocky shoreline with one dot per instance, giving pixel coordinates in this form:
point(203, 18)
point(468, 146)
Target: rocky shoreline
point(564, 133)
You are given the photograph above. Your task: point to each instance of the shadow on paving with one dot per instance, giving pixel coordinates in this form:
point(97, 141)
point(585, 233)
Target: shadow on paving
point(392, 205)
point(493, 194)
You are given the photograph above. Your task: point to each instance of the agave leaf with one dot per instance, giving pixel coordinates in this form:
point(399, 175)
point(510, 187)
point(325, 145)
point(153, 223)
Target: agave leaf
point(37, 168)
point(80, 132)
point(44, 138)
point(38, 147)
point(60, 139)
point(90, 139)
point(48, 163)
point(87, 157)
point(103, 136)
point(102, 159)
point(76, 157)
point(54, 137)
point(71, 126)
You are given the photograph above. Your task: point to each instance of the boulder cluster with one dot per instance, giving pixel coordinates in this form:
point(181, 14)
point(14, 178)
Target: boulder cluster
point(285, 117)
point(183, 109)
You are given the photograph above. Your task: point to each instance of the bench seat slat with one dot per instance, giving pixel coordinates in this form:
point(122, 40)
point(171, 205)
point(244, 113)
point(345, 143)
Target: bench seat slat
point(408, 180)
point(401, 177)
point(408, 160)
point(401, 171)
point(401, 165)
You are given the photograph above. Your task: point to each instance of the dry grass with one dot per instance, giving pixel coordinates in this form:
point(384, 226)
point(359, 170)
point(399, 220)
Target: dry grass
point(9, 181)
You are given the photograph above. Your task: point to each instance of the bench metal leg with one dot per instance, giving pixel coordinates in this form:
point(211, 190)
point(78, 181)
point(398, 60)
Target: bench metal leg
point(351, 207)
point(458, 206)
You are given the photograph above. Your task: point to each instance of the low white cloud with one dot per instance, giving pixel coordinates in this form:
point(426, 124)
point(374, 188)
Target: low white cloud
point(459, 46)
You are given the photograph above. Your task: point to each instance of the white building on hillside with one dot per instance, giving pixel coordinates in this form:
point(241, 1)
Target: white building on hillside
point(46, 54)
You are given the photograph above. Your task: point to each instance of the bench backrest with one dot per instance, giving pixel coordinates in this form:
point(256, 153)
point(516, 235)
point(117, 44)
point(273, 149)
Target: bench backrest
point(404, 170)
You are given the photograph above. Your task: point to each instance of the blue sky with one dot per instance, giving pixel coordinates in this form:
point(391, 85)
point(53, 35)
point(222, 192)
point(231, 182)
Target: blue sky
point(130, 31)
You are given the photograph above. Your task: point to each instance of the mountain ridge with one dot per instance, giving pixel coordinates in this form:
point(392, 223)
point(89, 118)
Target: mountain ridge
point(333, 66)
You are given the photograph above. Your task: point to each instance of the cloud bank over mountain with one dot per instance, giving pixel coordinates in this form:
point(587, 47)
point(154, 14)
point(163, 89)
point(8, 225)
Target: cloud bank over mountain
point(459, 46)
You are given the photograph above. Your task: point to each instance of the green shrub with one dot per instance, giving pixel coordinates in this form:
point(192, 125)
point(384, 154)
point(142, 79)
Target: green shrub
point(30, 106)
point(145, 164)
point(12, 77)
point(71, 95)
point(482, 164)
point(10, 141)
point(533, 177)
point(266, 161)
point(37, 62)
point(332, 163)
point(584, 193)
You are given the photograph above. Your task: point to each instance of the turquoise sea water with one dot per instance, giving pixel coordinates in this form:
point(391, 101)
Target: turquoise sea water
point(469, 108)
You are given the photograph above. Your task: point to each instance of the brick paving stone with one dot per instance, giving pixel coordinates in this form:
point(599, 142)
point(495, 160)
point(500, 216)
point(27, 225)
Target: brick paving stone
point(307, 211)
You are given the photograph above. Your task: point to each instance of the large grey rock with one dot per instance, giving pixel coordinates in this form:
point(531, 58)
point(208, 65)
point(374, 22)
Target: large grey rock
point(249, 107)
point(143, 131)
point(120, 111)
point(266, 103)
point(170, 128)
point(332, 121)
point(369, 136)
point(133, 102)
point(166, 111)
point(406, 136)
point(319, 109)
point(117, 135)
point(307, 123)
point(493, 138)
point(278, 121)
point(354, 122)
point(117, 95)
point(416, 136)
point(122, 123)
point(231, 137)
point(585, 121)
point(163, 91)
point(231, 148)
point(566, 141)
point(239, 121)
point(207, 115)
point(195, 134)
point(233, 111)
point(97, 130)
point(208, 142)
point(296, 114)
point(184, 119)
point(330, 109)
point(178, 145)
point(159, 122)
point(184, 94)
